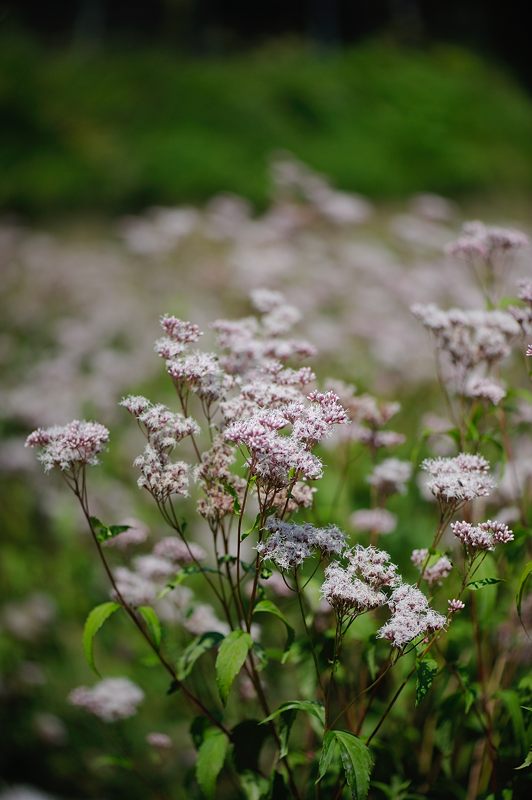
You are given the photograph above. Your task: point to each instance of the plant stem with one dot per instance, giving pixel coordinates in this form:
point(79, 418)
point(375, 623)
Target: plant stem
point(81, 495)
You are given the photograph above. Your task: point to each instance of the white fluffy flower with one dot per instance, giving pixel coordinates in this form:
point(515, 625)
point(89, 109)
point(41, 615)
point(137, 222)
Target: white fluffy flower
point(110, 700)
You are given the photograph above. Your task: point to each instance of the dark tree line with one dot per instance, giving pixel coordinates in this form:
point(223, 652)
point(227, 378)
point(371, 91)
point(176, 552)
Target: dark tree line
point(211, 26)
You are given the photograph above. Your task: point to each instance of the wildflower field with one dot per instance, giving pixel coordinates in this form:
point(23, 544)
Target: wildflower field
point(265, 501)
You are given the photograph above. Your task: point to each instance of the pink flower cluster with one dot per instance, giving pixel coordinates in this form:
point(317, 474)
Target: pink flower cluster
point(163, 429)
point(454, 481)
point(482, 537)
point(356, 586)
point(373, 520)
point(468, 340)
point(411, 616)
point(486, 242)
point(69, 446)
point(275, 457)
point(435, 572)
point(391, 476)
point(368, 416)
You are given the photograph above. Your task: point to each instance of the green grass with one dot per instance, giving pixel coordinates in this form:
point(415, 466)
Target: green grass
point(112, 130)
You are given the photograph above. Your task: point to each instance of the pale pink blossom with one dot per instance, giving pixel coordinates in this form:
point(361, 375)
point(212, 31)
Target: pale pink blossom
point(454, 606)
point(69, 446)
point(374, 520)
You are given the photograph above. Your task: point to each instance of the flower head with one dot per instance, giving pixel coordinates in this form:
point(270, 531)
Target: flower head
point(454, 481)
point(289, 544)
point(356, 585)
point(411, 616)
point(482, 537)
point(69, 446)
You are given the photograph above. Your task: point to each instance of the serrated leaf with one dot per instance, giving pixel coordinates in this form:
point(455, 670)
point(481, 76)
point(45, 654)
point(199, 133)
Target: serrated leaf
point(330, 754)
point(358, 763)
point(267, 607)
point(426, 671)
point(93, 623)
point(152, 623)
point(474, 586)
point(342, 747)
point(211, 757)
point(525, 574)
point(231, 656)
point(195, 649)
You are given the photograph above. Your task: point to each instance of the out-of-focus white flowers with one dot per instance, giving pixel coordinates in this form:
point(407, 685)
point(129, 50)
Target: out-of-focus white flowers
point(111, 699)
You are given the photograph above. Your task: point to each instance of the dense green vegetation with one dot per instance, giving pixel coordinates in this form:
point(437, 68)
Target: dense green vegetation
point(110, 130)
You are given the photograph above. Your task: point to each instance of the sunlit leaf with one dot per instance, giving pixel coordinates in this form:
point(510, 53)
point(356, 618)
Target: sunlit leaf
point(474, 586)
point(211, 757)
point(152, 623)
point(94, 622)
point(231, 656)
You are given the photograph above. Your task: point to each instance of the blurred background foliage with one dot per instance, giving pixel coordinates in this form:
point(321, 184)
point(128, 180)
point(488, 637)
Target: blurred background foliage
point(108, 106)
point(111, 107)
point(118, 128)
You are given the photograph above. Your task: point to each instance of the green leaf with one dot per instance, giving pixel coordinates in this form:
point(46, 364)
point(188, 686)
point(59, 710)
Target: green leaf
point(253, 527)
point(183, 574)
point(426, 671)
point(474, 586)
point(309, 706)
point(254, 785)
point(201, 644)
point(105, 532)
point(358, 763)
point(287, 713)
point(527, 570)
point(211, 757)
point(342, 747)
point(330, 754)
point(231, 656)
point(94, 622)
point(232, 491)
point(267, 607)
point(152, 623)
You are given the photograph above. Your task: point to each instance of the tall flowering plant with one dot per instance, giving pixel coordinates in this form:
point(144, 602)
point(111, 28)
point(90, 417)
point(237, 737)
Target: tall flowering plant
point(284, 590)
